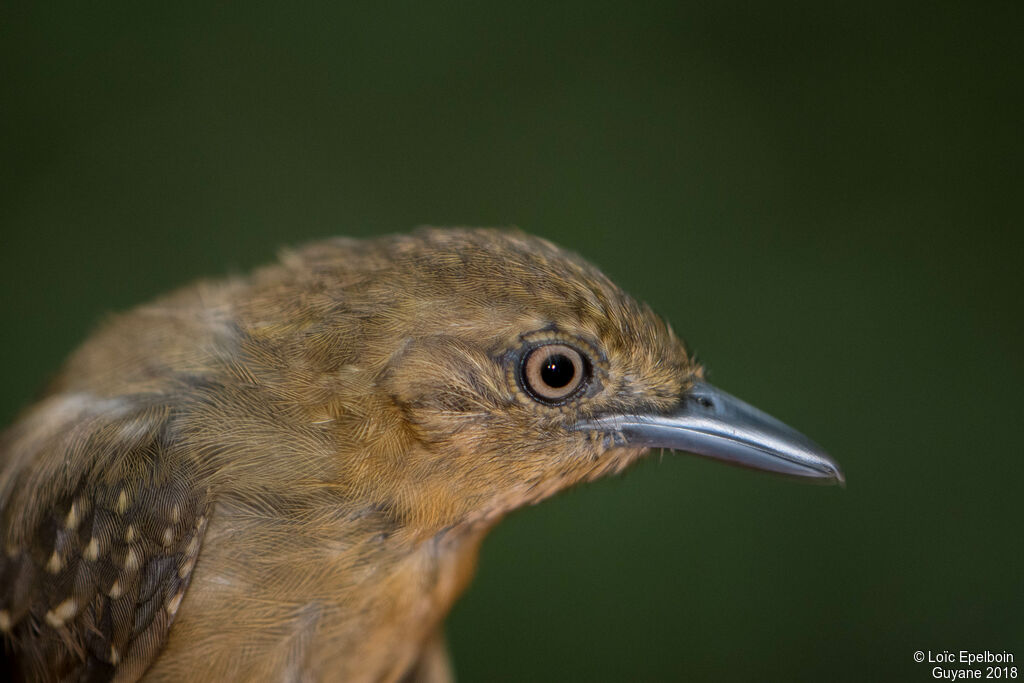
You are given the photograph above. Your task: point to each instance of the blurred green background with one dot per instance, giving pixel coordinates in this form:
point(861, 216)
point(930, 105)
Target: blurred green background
point(824, 200)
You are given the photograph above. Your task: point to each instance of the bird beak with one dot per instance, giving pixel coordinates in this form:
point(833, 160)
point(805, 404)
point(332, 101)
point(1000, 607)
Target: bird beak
point(714, 424)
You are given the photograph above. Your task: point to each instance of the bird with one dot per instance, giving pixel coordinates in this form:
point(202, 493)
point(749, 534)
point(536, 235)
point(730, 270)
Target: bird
point(287, 475)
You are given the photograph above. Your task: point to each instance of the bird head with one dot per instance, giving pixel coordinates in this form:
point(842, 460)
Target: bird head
point(464, 373)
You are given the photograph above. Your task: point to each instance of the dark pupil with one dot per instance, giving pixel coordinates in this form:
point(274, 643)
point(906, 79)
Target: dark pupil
point(557, 371)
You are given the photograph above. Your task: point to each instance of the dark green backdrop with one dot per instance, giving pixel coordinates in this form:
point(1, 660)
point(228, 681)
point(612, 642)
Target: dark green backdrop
point(825, 202)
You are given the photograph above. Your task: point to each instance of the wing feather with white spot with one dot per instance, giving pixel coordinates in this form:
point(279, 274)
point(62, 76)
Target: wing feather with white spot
point(101, 521)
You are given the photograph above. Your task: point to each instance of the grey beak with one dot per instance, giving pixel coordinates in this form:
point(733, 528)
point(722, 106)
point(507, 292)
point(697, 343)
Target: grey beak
point(714, 424)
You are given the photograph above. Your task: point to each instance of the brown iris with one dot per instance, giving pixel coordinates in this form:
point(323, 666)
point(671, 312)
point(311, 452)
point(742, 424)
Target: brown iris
point(553, 373)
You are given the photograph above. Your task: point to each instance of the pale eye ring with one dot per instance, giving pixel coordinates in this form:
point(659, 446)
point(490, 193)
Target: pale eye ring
point(554, 373)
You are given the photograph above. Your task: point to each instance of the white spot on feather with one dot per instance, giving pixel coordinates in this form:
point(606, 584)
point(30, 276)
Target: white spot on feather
point(55, 563)
point(172, 606)
point(71, 521)
point(122, 502)
point(57, 616)
point(132, 559)
point(186, 567)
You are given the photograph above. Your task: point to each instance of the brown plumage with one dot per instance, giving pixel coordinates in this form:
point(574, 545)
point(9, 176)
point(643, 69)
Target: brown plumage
point(287, 476)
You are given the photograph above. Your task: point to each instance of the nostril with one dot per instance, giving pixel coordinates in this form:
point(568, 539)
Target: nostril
point(705, 402)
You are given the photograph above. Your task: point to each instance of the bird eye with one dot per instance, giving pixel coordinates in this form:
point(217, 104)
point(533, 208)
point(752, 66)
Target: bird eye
point(553, 373)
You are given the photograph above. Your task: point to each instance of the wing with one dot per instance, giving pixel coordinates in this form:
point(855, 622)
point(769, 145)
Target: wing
point(101, 521)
